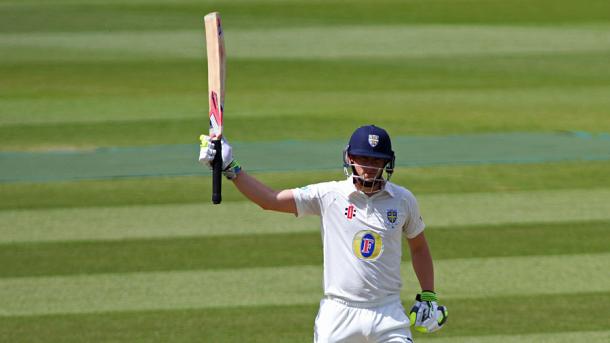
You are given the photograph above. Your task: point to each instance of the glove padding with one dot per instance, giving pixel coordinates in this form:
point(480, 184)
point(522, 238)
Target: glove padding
point(230, 167)
point(426, 315)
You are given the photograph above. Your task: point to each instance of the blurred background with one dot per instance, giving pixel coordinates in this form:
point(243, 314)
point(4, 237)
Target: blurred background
point(499, 113)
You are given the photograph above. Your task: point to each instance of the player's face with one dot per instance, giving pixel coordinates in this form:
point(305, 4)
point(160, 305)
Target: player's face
point(368, 167)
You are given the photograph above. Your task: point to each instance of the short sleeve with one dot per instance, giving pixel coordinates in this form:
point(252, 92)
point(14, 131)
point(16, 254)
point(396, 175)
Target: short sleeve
point(414, 225)
point(307, 200)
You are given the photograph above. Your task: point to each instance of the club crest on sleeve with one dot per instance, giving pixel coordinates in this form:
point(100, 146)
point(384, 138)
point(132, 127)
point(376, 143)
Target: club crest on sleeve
point(373, 140)
point(367, 245)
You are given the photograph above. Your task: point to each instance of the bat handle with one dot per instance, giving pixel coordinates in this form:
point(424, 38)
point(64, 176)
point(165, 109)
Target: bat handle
point(217, 173)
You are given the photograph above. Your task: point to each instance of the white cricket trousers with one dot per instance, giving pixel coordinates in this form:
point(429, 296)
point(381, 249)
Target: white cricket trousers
point(342, 322)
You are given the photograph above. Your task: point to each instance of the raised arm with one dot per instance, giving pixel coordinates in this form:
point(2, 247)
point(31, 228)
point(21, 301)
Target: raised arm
point(263, 195)
point(253, 189)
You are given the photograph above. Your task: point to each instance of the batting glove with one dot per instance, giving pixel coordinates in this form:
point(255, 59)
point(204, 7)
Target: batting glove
point(426, 315)
point(207, 152)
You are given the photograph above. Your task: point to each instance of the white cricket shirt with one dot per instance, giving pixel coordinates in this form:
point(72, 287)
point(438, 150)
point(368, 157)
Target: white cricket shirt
point(362, 236)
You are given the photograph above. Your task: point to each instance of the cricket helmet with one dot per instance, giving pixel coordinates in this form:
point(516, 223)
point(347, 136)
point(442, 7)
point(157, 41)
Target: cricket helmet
point(370, 141)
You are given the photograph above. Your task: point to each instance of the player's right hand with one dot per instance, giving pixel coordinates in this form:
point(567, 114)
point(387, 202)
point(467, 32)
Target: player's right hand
point(425, 315)
point(207, 152)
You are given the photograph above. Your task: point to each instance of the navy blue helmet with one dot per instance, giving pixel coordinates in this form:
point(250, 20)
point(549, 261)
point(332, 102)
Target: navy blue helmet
point(370, 141)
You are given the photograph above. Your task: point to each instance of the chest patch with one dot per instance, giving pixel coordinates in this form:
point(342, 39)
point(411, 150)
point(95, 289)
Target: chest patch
point(367, 245)
point(350, 211)
point(391, 215)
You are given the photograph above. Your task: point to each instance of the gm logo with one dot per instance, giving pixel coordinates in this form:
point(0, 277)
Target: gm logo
point(367, 245)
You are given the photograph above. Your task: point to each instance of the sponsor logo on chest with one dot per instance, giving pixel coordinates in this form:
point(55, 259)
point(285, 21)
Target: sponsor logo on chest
point(388, 218)
point(367, 245)
point(350, 211)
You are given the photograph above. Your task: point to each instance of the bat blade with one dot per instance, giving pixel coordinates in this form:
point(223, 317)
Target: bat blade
point(216, 58)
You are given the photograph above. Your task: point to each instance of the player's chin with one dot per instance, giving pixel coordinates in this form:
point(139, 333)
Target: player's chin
point(371, 181)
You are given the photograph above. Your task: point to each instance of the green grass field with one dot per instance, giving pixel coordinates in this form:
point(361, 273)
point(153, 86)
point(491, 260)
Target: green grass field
point(521, 250)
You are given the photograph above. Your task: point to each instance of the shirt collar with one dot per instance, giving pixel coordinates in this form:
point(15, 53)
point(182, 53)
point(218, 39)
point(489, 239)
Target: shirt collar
point(387, 187)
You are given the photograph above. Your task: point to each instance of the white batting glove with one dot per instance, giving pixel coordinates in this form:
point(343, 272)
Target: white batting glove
point(207, 152)
point(425, 315)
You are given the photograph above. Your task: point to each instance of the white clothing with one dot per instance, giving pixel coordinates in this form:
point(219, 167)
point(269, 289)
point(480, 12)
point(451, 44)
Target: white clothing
point(362, 237)
point(337, 322)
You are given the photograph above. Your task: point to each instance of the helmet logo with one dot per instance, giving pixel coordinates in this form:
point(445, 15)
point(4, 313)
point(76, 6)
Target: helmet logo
point(373, 140)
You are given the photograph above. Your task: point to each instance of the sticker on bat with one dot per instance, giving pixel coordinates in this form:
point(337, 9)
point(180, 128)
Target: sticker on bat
point(215, 115)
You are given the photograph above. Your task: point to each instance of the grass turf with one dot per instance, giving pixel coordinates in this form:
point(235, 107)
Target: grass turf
point(475, 318)
point(28, 16)
point(426, 180)
point(105, 73)
point(181, 220)
point(289, 249)
point(471, 278)
point(424, 96)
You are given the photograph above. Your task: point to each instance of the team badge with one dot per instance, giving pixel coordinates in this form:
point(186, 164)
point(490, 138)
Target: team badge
point(373, 140)
point(391, 216)
point(367, 245)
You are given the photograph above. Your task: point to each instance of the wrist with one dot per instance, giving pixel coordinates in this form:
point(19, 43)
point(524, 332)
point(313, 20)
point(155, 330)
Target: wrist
point(427, 296)
point(232, 170)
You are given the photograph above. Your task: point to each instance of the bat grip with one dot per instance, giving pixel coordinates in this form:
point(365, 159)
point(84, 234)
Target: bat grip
point(217, 173)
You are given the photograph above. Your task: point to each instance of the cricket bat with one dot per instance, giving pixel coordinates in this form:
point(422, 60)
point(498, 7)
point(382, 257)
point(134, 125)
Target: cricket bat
point(215, 48)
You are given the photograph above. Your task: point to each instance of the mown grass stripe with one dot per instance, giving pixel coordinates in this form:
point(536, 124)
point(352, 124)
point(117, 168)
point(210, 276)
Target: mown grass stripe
point(559, 337)
point(284, 249)
point(516, 207)
point(93, 113)
point(67, 16)
point(439, 210)
point(501, 320)
point(449, 94)
point(179, 160)
point(89, 135)
point(313, 42)
point(459, 279)
point(156, 221)
point(463, 278)
point(189, 190)
point(517, 315)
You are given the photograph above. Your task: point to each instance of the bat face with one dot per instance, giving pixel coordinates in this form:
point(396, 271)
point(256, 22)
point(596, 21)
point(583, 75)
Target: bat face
point(215, 47)
point(216, 72)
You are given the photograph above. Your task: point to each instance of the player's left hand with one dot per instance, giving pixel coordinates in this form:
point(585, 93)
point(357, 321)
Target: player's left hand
point(426, 315)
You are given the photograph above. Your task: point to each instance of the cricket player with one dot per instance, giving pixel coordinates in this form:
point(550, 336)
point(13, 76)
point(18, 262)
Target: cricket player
point(363, 220)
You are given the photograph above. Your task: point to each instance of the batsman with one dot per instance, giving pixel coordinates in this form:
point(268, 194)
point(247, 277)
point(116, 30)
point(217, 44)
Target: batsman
point(363, 220)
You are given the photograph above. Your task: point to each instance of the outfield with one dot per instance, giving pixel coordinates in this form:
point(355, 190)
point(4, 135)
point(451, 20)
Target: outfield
point(520, 244)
